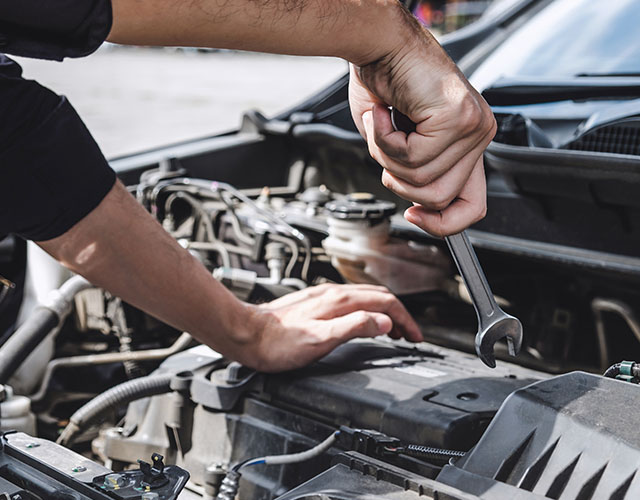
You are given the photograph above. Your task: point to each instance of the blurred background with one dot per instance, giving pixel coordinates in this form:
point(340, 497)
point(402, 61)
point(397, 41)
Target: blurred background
point(137, 98)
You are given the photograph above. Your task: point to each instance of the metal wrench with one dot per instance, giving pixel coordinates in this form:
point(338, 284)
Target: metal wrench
point(493, 323)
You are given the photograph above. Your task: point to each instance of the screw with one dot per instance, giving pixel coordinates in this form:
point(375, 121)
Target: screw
point(79, 468)
point(32, 445)
point(114, 481)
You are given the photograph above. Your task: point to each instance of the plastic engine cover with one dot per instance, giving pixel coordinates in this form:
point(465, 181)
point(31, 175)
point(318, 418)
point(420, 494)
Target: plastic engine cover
point(573, 437)
point(439, 398)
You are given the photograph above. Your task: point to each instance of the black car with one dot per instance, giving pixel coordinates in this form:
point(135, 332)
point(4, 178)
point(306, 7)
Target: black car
point(295, 200)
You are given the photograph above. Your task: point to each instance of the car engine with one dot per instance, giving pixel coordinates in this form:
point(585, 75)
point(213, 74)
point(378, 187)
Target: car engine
point(99, 400)
point(379, 418)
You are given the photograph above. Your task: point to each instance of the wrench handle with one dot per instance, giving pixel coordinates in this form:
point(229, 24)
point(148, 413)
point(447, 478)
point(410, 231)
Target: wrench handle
point(476, 282)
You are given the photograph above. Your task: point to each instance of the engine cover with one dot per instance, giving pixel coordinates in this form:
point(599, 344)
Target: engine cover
point(222, 414)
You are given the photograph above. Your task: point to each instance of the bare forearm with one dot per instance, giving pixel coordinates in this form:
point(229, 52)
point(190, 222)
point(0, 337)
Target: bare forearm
point(360, 31)
point(123, 249)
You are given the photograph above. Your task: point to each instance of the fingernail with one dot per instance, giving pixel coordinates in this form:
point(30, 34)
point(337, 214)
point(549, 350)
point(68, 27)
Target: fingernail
point(411, 217)
point(384, 324)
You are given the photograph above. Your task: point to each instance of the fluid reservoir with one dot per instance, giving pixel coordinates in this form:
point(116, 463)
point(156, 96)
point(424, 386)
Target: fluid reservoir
point(15, 412)
point(362, 249)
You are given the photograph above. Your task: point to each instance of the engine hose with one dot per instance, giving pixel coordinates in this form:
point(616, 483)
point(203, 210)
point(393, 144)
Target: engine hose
point(429, 453)
point(40, 323)
point(24, 340)
point(115, 397)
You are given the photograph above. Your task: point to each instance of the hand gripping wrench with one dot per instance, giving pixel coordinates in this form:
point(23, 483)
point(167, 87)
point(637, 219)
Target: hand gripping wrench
point(493, 323)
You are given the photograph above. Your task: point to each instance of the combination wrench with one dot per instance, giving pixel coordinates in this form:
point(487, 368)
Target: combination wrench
point(493, 323)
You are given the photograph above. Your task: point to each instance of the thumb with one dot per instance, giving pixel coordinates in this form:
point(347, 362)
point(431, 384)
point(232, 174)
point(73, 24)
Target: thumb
point(359, 324)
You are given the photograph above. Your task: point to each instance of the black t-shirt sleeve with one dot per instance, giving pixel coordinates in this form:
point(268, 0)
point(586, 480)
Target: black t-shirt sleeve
point(52, 172)
point(53, 29)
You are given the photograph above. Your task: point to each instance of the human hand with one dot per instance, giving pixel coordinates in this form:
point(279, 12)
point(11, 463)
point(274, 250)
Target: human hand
point(301, 327)
point(439, 167)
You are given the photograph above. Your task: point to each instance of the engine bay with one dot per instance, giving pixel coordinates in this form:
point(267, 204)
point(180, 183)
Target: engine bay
point(375, 418)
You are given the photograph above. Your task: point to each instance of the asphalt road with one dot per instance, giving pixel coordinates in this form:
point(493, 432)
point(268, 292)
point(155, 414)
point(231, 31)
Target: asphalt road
point(133, 99)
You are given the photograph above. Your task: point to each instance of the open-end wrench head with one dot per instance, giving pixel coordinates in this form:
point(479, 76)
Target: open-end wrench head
point(506, 327)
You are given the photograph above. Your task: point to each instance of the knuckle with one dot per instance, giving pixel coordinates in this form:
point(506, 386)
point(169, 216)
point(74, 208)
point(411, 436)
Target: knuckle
point(319, 290)
point(471, 115)
point(439, 230)
point(390, 300)
point(492, 127)
point(422, 177)
point(481, 212)
point(341, 296)
point(318, 338)
point(361, 319)
point(412, 161)
point(439, 204)
point(443, 200)
point(439, 200)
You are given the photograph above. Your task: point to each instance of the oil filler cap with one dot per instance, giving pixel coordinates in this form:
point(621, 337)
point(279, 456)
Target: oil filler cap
point(360, 206)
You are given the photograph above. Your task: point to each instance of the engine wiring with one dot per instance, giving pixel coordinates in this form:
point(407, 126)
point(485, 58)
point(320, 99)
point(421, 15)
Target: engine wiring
point(189, 190)
point(231, 483)
point(425, 452)
point(291, 458)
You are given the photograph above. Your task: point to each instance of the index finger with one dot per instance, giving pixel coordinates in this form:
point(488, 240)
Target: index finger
point(415, 149)
point(348, 299)
point(468, 208)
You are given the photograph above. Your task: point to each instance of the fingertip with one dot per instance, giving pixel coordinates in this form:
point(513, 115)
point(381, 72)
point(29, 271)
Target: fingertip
point(427, 220)
point(367, 122)
point(412, 216)
point(382, 119)
point(415, 335)
point(383, 323)
point(395, 334)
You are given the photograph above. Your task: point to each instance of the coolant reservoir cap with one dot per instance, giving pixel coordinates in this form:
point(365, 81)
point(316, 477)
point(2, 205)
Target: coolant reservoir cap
point(360, 206)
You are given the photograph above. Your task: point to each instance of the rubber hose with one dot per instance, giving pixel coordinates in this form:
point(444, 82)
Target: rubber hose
point(41, 322)
point(115, 397)
point(24, 340)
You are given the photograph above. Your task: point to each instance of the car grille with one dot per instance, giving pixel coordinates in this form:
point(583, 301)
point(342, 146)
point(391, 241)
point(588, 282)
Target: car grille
point(619, 139)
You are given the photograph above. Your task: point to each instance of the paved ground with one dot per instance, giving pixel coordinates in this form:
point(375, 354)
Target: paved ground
point(136, 98)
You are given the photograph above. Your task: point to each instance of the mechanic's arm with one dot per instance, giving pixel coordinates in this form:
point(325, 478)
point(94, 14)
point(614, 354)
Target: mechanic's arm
point(119, 246)
point(395, 62)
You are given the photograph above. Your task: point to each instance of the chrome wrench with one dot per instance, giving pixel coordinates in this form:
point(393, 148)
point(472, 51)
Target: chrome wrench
point(493, 323)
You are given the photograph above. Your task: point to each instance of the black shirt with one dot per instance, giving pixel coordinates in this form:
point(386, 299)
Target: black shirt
point(52, 172)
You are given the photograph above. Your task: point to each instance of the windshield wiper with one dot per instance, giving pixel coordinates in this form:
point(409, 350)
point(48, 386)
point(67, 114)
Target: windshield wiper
point(614, 75)
point(510, 92)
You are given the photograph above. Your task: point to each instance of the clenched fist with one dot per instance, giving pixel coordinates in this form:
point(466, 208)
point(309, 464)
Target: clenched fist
point(438, 167)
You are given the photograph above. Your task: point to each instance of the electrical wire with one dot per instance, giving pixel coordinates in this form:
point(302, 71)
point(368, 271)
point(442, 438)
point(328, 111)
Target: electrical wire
point(197, 207)
point(235, 222)
point(215, 188)
point(204, 219)
point(291, 458)
point(180, 344)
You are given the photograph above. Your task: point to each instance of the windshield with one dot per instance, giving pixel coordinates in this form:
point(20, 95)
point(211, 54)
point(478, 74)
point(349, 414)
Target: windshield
point(569, 38)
